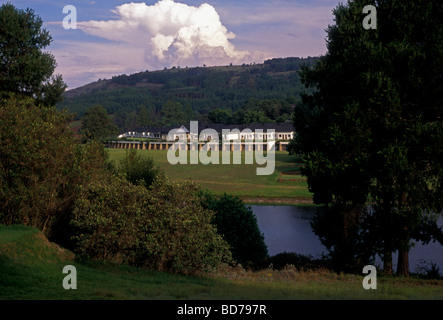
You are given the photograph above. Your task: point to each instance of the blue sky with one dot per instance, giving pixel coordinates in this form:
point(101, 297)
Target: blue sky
point(122, 37)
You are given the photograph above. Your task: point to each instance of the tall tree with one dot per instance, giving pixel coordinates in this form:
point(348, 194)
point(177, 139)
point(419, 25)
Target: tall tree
point(371, 133)
point(220, 116)
point(42, 166)
point(24, 67)
point(172, 114)
point(97, 124)
point(143, 119)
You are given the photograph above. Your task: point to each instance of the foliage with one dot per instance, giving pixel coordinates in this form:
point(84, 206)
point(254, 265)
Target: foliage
point(238, 225)
point(220, 116)
point(339, 230)
point(254, 111)
point(300, 262)
point(198, 90)
point(139, 170)
point(41, 164)
point(429, 270)
point(371, 133)
point(172, 113)
point(96, 123)
point(25, 68)
point(162, 228)
point(143, 117)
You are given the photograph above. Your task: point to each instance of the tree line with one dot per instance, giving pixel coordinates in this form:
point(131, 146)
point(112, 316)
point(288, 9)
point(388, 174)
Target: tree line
point(146, 98)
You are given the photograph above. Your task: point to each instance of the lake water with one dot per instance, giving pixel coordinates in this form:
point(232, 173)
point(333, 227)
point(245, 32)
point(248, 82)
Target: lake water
point(288, 229)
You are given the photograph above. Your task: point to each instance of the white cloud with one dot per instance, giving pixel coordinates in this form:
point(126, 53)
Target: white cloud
point(171, 33)
point(84, 62)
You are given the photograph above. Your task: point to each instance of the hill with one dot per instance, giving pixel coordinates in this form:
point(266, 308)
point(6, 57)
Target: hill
point(267, 91)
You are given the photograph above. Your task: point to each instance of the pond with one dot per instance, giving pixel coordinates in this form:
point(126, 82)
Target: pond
point(288, 229)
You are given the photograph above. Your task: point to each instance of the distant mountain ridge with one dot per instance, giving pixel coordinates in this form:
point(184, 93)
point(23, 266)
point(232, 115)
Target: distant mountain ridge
point(140, 98)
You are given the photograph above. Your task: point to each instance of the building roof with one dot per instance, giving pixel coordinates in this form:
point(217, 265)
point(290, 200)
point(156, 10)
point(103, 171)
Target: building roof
point(278, 127)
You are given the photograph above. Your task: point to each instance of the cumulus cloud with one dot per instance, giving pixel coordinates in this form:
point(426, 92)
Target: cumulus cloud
point(171, 33)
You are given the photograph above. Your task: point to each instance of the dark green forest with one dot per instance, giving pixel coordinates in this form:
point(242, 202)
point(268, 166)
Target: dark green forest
point(242, 94)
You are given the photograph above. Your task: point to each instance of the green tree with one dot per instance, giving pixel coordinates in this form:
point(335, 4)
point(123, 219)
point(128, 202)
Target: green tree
point(371, 133)
point(131, 120)
point(41, 166)
point(220, 116)
point(172, 114)
point(271, 108)
point(238, 225)
point(143, 119)
point(97, 124)
point(250, 116)
point(25, 68)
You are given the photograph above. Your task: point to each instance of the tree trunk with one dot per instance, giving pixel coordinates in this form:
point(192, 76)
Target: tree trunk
point(403, 263)
point(403, 251)
point(387, 263)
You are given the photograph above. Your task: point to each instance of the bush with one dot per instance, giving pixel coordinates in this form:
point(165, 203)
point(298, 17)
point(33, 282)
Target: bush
point(299, 261)
point(163, 228)
point(139, 170)
point(238, 225)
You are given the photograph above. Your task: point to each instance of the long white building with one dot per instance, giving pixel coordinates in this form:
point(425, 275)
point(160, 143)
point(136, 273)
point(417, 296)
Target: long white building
point(251, 132)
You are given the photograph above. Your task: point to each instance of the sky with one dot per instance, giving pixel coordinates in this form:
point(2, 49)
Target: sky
point(114, 37)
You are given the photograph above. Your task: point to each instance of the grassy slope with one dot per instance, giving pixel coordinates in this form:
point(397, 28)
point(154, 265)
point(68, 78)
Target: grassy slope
point(240, 180)
point(31, 268)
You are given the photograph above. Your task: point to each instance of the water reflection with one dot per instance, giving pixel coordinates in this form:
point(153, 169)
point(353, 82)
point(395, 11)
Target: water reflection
point(288, 229)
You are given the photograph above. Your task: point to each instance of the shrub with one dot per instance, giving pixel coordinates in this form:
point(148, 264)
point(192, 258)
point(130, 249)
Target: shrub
point(138, 169)
point(105, 220)
point(238, 225)
point(181, 234)
point(299, 261)
point(163, 228)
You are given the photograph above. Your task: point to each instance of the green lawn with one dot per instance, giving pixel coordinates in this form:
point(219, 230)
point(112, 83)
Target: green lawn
point(31, 268)
point(242, 180)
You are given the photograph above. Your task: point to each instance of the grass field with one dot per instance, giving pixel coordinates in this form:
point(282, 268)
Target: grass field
point(285, 185)
point(31, 268)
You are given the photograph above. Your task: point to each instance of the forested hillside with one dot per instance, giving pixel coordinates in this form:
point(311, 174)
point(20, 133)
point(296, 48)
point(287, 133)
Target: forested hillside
point(226, 94)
